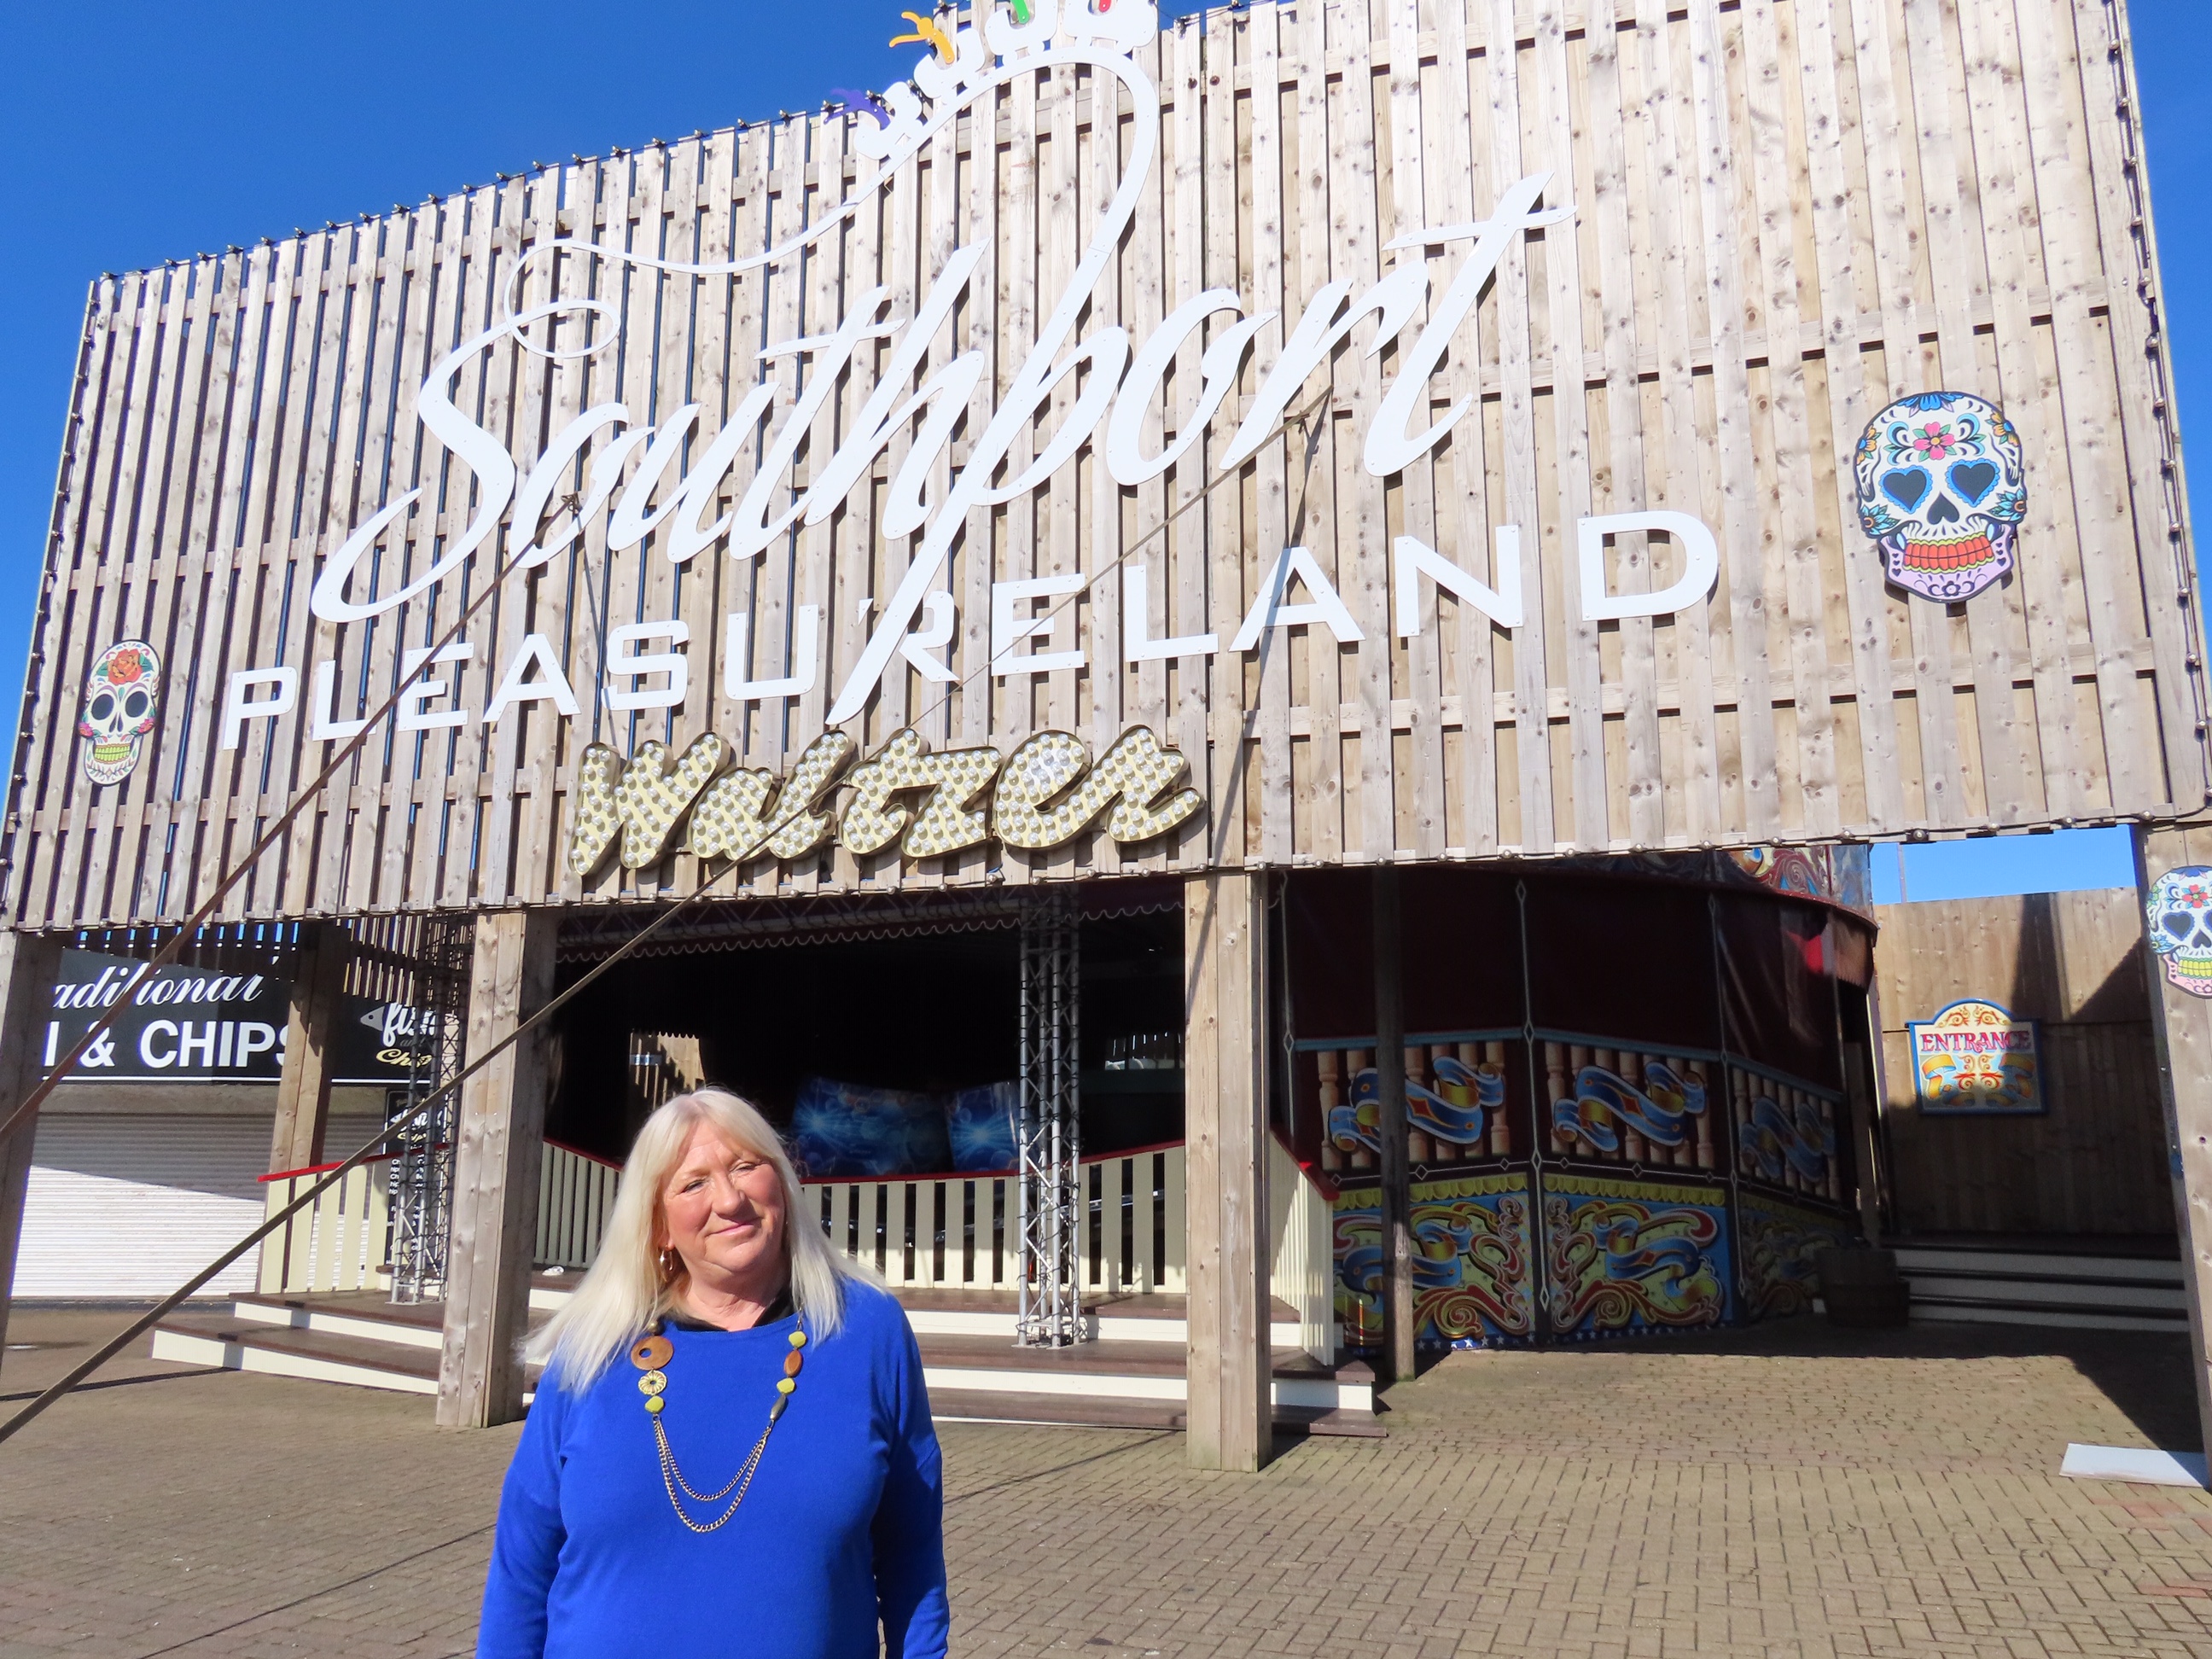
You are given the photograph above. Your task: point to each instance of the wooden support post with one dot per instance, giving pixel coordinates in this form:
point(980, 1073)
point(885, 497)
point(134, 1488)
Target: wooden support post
point(1390, 1126)
point(303, 1089)
point(28, 966)
point(502, 1128)
point(1224, 958)
point(2181, 1028)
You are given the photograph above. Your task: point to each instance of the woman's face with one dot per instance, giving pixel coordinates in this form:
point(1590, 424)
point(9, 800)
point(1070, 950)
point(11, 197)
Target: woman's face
point(722, 1212)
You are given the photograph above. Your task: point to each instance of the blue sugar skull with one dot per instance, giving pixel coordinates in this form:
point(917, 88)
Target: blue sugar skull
point(1941, 488)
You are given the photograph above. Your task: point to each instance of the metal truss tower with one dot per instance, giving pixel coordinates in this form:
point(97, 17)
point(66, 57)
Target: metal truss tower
point(423, 1171)
point(1051, 1210)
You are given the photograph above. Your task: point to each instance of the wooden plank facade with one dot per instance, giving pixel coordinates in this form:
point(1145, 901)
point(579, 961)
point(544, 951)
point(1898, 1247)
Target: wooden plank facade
point(1764, 222)
point(2095, 1162)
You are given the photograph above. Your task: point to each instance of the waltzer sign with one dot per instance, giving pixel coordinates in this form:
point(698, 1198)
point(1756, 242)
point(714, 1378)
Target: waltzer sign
point(1328, 432)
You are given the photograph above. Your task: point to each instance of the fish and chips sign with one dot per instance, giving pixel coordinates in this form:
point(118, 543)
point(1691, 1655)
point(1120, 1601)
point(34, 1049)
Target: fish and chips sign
point(1975, 1059)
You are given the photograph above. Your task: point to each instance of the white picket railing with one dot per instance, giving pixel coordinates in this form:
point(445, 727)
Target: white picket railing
point(340, 1243)
point(575, 1191)
point(956, 1231)
point(1302, 1245)
point(952, 1232)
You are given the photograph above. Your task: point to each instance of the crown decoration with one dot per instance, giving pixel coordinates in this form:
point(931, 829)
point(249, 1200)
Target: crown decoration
point(966, 61)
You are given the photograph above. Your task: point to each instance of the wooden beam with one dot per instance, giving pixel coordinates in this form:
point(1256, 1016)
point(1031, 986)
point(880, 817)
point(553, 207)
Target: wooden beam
point(1224, 958)
point(502, 1126)
point(2181, 1027)
point(303, 1091)
point(1390, 1125)
point(29, 965)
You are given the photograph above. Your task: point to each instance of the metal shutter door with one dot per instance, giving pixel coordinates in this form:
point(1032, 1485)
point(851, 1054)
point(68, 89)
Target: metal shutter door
point(132, 1206)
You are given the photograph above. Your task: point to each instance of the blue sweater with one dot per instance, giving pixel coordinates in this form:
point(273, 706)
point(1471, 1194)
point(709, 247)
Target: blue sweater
point(843, 1525)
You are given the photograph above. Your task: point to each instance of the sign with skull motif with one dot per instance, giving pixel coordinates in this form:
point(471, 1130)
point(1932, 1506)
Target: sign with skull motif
point(1942, 489)
point(1974, 1057)
point(122, 699)
point(2179, 916)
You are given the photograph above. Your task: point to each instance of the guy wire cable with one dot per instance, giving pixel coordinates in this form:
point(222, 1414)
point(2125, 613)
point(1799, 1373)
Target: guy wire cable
point(192, 925)
point(115, 1345)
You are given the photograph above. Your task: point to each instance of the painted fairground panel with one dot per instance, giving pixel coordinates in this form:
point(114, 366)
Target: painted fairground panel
point(1785, 1136)
point(1627, 1050)
point(1631, 1106)
point(1626, 1256)
point(1780, 1247)
point(1458, 1111)
point(1473, 1261)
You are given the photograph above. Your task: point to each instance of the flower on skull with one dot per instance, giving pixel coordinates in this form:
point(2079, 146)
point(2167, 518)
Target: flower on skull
point(1941, 490)
point(122, 699)
point(1933, 442)
point(2179, 914)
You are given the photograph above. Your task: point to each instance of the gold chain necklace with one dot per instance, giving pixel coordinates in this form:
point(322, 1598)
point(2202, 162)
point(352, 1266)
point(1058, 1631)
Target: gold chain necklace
point(651, 1353)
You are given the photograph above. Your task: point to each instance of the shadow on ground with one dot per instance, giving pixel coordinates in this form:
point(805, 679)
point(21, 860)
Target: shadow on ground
point(2131, 1385)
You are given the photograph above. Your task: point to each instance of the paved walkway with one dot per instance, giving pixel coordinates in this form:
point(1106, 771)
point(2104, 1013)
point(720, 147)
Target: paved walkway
point(1789, 1492)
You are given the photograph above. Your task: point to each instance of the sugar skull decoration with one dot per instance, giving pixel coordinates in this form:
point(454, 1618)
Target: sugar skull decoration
point(2179, 912)
point(122, 698)
point(1941, 490)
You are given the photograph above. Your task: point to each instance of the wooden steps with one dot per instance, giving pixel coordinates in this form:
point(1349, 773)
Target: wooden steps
point(2005, 1284)
point(1131, 1375)
point(253, 1343)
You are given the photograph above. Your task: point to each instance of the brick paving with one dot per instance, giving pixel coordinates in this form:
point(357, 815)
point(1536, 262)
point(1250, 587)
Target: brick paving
point(1789, 1491)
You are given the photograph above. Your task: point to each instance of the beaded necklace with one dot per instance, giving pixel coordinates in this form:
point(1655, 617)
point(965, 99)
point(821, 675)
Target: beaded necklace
point(651, 1353)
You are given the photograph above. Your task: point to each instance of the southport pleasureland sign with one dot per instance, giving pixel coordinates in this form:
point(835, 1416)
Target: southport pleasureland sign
point(1383, 431)
point(637, 473)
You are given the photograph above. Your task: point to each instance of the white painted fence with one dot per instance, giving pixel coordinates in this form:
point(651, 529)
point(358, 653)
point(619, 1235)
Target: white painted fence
point(340, 1243)
point(1303, 1251)
point(954, 1232)
point(958, 1231)
point(575, 1191)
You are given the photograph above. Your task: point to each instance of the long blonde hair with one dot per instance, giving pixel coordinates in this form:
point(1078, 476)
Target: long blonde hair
point(624, 1290)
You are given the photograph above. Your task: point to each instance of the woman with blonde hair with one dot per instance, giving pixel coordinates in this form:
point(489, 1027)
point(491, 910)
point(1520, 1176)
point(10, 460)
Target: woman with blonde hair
point(730, 1451)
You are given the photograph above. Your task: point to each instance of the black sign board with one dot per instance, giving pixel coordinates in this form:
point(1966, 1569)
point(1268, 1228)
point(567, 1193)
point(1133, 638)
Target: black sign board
point(200, 1025)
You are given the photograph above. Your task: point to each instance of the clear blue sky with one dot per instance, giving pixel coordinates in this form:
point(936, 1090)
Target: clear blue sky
point(137, 132)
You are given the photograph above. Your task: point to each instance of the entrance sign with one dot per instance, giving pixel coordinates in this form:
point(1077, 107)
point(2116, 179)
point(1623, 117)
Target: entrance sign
point(1445, 441)
point(1974, 1057)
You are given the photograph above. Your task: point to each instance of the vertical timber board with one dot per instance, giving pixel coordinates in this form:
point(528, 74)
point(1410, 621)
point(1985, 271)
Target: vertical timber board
point(1616, 278)
point(1553, 122)
point(1531, 696)
point(1316, 499)
point(2181, 1028)
point(495, 1174)
point(1896, 241)
point(2142, 489)
point(1673, 208)
point(1791, 529)
point(1419, 804)
point(1824, 42)
point(1474, 650)
point(1224, 916)
point(1758, 813)
point(29, 965)
point(1272, 189)
point(303, 1086)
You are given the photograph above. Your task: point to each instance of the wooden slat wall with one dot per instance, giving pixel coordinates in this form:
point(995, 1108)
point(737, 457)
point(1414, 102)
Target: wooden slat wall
point(1789, 214)
point(2096, 1162)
